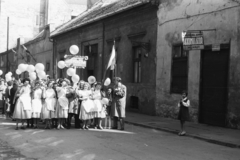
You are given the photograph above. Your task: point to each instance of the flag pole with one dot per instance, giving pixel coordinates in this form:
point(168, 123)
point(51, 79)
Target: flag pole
point(104, 75)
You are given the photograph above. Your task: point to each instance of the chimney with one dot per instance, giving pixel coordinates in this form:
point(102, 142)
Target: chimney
point(90, 3)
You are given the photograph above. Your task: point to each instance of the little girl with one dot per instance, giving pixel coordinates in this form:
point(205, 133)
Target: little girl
point(183, 112)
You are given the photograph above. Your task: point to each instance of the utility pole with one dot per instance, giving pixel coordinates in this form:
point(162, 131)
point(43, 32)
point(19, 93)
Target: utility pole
point(7, 42)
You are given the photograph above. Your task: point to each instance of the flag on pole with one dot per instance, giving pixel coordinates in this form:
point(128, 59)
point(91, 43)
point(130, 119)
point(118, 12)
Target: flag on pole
point(25, 48)
point(112, 60)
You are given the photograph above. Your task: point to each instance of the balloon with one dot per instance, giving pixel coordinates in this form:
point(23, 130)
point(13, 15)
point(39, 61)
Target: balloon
point(74, 49)
point(30, 68)
point(107, 82)
point(18, 72)
point(33, 77)
point(70, 71)
point(32, 73)
point(39, 67)
point(10, 73)
point(8, 79)
point(1, 72)
point(91, 79)
point(104, 101)
point(61, 64)
point(75, 78)
point(41, 74)
point(22, 67)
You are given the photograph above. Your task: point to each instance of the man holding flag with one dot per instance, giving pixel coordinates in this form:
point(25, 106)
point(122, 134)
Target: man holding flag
point(119, 93)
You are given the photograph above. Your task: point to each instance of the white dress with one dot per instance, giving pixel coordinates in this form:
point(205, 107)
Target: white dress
point(37, 103)
point(87, 110)
point(23, 108)
point(62, 103)
point(49, 106)
point(98, 104)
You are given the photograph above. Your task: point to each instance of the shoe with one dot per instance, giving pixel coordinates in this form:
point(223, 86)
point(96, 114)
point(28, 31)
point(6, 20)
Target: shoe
point(62, 127)
point(59, 127)
point(179, 133)
point(183, 133)
point(36, 127)
point(100, 127)
point(114, 127)
point(86, 128)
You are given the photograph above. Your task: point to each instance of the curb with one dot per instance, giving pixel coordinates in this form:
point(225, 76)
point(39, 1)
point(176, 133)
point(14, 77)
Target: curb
point(231, 145)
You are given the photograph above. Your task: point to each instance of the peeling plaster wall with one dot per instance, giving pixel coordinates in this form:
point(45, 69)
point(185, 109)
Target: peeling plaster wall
point(176, 16)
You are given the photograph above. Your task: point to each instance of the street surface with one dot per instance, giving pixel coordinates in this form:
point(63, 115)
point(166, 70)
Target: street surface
point(135, 143)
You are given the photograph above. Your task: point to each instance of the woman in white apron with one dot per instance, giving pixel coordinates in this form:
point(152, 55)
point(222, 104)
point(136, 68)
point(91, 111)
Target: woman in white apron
point(49, 106)
point(101, 110)
point(87, 105)
point(23, 108)
point(37, 98)
point(62, 103)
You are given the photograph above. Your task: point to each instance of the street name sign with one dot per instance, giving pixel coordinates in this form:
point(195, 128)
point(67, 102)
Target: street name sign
point(193, 40)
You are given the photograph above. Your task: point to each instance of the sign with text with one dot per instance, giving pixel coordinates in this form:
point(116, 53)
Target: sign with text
point(76, 61)
point(215, 47)
point(193, 40)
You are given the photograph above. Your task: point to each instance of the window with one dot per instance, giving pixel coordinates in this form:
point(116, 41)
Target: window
point(91, 51)
point(179, 74)
point(137, 64)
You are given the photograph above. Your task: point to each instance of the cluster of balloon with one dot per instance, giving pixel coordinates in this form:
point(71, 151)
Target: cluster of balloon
point(1, 72)
point(39, 68)
point(71, 71)
point(91, 79)
point(107, 82)
point(8, 76)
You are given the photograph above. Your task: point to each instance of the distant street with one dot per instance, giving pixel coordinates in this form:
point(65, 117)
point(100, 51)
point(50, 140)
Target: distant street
point(135, 143)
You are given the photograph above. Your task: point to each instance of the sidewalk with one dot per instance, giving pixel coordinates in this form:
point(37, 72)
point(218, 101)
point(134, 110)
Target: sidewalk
point(212, 134)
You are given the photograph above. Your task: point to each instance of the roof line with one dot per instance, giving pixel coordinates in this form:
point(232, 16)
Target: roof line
point(101, 17)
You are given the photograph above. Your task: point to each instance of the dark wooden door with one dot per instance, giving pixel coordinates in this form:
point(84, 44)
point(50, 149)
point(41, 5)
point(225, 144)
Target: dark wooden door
point(214, 87)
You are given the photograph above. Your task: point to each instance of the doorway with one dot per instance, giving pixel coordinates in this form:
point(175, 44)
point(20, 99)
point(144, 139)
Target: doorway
point(214, 87)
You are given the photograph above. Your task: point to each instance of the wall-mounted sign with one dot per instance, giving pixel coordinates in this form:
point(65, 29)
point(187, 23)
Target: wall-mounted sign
point(215, 47)
point(193, 40)
point(76, 61)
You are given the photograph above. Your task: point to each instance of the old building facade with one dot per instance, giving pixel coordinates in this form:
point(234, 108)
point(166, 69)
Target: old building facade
point(210, 75)
point(133, 26)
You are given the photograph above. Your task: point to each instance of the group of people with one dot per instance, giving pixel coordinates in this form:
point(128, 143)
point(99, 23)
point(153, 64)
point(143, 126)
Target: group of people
point(56, 102)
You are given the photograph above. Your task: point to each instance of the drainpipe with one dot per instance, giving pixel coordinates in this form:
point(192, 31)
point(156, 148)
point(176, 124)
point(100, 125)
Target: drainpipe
point(103, 50)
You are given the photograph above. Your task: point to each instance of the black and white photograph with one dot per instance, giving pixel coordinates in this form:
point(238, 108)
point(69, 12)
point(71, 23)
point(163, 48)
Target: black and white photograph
point(119, 79)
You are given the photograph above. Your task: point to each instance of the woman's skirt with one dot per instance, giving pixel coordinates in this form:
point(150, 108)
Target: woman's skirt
point(183, 114)
point(36, 108)
point(48, 110)
point(61, 113)
point(20, 113)
point(87, 110)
